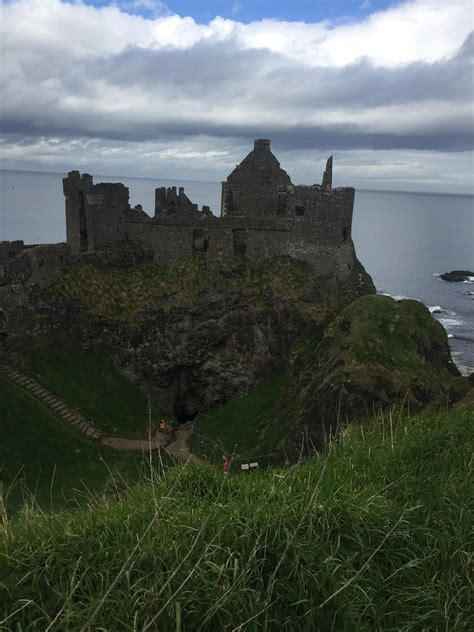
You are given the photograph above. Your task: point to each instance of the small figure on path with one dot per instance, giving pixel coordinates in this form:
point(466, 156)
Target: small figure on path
point(226, 465)
point(162, 424)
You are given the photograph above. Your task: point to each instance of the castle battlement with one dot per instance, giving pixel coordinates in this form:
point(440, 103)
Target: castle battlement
point(263, 215)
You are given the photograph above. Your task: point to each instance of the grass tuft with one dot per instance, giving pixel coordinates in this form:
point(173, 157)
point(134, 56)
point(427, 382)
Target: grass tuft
point(375, 535)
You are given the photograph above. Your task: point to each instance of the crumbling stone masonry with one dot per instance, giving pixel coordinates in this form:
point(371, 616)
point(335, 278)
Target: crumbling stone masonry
point(263, 215)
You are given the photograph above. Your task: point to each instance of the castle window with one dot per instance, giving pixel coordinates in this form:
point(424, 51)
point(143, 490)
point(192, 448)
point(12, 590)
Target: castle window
point(83, 236)
point(11, 254)
point(300, 210)
point(41, 263)
point(239, 241)
point(346, 233)
point(200, 241)
point(282, 203)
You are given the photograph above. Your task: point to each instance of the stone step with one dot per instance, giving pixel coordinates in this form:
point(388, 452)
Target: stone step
point(69, 415)
point(56, 405)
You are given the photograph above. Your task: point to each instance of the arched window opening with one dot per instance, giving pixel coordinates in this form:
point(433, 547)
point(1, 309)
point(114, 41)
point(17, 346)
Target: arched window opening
point(300, 210)
point(239, 241)
point(83, 236)
point(282, 203)
point(200, 241)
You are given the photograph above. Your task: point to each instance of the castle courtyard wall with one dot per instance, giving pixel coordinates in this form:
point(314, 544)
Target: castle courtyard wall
point(173, 240)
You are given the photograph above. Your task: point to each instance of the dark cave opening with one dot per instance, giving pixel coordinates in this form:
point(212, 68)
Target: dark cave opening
point(183, 414)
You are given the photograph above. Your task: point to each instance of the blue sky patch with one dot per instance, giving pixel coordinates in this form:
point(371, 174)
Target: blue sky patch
point(246, 11)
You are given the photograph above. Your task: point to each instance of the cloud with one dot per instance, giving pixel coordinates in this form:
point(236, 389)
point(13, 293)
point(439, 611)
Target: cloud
point(365, 5)
point(398, 80)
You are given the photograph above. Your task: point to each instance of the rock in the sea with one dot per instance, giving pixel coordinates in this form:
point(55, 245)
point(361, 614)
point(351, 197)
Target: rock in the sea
point(457, 276)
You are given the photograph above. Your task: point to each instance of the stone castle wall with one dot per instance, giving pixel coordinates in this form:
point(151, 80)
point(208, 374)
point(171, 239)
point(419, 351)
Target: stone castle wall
point(263, 215)
point(322, 244)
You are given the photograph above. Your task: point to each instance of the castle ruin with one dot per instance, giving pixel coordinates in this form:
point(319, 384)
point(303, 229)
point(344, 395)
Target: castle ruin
point(263, 215)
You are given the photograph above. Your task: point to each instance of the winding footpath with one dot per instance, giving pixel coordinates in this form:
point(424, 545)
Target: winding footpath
point(174, 441)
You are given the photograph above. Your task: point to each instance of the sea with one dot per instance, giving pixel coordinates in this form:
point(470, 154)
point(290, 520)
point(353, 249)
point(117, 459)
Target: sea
point(404, 240)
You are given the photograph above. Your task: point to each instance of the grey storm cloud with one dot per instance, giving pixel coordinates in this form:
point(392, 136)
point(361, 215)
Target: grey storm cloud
point(107, 92)
point(145, 94)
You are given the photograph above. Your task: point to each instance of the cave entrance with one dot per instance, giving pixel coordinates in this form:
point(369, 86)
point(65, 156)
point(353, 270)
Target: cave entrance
point(184, 413)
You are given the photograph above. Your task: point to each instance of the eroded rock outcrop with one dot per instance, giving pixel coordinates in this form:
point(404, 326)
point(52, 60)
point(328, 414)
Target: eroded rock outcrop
point(376, 354)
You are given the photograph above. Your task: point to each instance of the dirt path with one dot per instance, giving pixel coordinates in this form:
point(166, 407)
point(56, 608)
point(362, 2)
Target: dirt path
point(179, 448)
point(175, 440)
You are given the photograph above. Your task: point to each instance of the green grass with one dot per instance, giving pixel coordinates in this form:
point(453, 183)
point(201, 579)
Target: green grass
point(375, 535)
point(41, 457)
point(394, 335)
point(92, 385)
point(239, 427)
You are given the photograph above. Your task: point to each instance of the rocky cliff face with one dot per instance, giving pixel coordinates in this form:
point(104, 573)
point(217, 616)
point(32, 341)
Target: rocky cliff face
point(200, 334)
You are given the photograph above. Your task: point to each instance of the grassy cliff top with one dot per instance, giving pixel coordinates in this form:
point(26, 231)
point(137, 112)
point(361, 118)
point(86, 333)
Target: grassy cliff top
point(372, 536)
point(121, 292)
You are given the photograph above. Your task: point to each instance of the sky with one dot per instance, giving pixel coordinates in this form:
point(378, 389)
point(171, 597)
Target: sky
point(179, 90)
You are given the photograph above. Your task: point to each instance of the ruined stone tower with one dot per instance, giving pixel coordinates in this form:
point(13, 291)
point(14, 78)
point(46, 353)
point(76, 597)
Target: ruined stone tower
point(263, 215)
point(257, 186)
point(95, 213)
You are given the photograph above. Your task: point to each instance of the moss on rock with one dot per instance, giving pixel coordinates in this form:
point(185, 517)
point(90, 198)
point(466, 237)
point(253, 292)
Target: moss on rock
point(377, 353)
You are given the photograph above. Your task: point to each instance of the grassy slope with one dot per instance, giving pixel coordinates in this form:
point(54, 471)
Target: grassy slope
point(239, 426)
point(383, 337)
point(92, 385)
point(374, 536)
point(38, 451)
point(121, 293)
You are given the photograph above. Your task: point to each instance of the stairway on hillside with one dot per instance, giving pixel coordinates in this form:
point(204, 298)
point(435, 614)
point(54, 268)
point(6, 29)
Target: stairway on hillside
point(54, 403)
point(175, 442)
